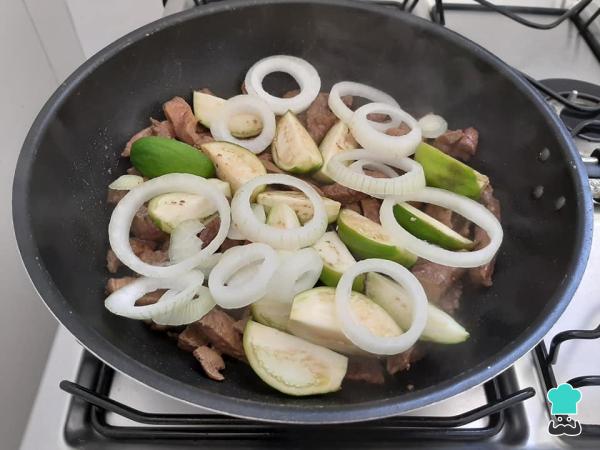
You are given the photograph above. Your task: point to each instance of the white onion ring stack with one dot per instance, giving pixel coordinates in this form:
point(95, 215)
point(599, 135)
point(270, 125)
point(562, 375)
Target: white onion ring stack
point(244, 104)
point(122, 302)
point(433, 126)
point(187, 312)
point(469, 209)
point(122, 216)
point(360, 335)
point(278, 238)
point(342, 112)
point(376, 140)
point(413, 180)
point(302, 71)
point(238, 295)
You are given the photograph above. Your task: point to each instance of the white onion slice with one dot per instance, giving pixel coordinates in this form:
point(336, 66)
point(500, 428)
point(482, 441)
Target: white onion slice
point(187, 312)
point(342, 112)
point(185, 241)
point(359, 166)
point(298, 271)
point(413, 180)
point(302, 71)
point(376, 140)
point(358, 334)
point(261, 215)
point(122, 216)
point(122, 302)
point(433, 126)
point(469, 209)
point(278, 238)
point(238, 295)
point(244, 104)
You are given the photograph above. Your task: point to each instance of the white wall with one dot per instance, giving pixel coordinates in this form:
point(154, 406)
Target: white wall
point(26, 327)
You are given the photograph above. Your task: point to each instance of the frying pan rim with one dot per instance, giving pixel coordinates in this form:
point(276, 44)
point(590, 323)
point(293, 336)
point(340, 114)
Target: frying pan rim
point(273, 412)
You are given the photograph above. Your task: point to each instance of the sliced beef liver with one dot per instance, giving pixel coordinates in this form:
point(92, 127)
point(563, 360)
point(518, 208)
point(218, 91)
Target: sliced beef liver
point(162, 128)
point(403, 361)
point(342, 194)
point(191, 338)
point(369, 370)
point(400, 130)
point(115, 196)
point(114, 284)
point(185, 124)
point(143, 228)
point(140, 134)
point(482, 276)
point(460, 144)
point(219, 328)
point(435, 278)
point(211, 362)
point(210, 231)
point(450, 300)
point(370, 208)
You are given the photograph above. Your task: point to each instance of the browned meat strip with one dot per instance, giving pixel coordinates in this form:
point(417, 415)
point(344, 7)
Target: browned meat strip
point(114, 196)
point(184, 122)
point(229, 243)
point(400, 130)
point(403, 361)
point(150, 298)
point(450, 300)
point(210, 231)
point(140, 134)
point(157, 327)
point(482, 276)
point(218, 326)
point(369, 370)
point(211, 362)
point(435, 278)
point(460, 144)
point(162, 129)
point(355, 207)
point(191, 338)
point(370, 207)
point(114, 284)
point(142, 227)
point(112, 262)
point(342, 194)
point(240, 325)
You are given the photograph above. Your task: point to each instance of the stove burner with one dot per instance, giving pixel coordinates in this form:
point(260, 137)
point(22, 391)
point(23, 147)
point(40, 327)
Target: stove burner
point(583, 124)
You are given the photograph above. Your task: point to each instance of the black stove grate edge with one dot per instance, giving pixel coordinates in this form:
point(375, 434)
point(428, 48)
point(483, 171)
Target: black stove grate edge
point(87, 418)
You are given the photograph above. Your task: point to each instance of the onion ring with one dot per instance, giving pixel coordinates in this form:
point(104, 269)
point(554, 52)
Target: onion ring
point(377, 141)
point(469, 209)
point(433, 126)
point(122, 216)
point(360, 335)
point(278, 238)
point(185, 241)
point(187, 312)
point(342, 112)
point(302, 71)
point(238, 295)
point(413, 180)
point(261, 215)
point(244, 104)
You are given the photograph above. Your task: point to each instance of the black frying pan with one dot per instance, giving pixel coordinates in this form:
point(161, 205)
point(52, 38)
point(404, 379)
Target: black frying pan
point(72, 153)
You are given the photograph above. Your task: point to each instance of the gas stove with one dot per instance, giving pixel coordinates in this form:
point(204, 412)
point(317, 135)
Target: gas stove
point(109, 410)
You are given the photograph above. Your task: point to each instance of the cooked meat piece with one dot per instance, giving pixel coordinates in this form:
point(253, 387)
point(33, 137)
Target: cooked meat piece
point(369, 370)
point(211, 362)
point(184, 122)
point(450, 301)
point(400, 130)
point(142, 227)
point(210, 231)
point(355, 207)
point(157, 327)
point(374, 173)
point(114, 196)
point(370, 207)
point(378, 117)
point(342, 194)
point(173, 334)
point(403, 361)
point(112, 262)
point(442, 214)
point(162, 129)
point(140, 134)
point(114, 284)
point(218, 326)
point(435, 278)
point(191, 338)
point(240, 325)
point(229, 243)
point(460, 144)
point(134, 171)
point(206, 91)
point(150, 298)
point(140, 246)
point(482, 276)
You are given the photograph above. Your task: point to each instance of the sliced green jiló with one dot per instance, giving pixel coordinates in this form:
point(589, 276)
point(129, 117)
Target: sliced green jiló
point(429, 229)
point(293, 148)
point(290, 364)
point(313, 317)
point(299, 203)
point(445, 172)
point(233, 163)
point(368, 239)
point(282, 216)
point(169, 210)
point(337, 140)
point(336, 259)
point(241, 126)
point(154, 156)
point(271, 313)
point(388, 294)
